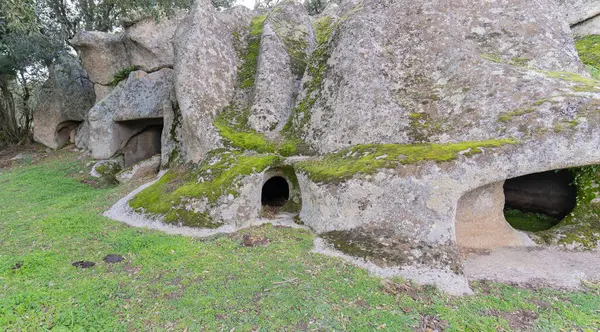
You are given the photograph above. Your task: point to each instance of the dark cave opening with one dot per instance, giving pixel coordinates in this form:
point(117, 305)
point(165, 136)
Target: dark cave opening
point(539, 201)
point(142, 139)
point(66, 131)
point(275, 192)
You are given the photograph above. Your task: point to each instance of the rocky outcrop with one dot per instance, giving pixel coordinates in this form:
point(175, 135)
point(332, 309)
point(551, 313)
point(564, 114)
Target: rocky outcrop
point(286, 44)
point(64, 101)
point(149, 42)
point(480, 222)
point(135, 105)
point(145, 44)
point(408, 119)
point(103, 55)
point(205, 65)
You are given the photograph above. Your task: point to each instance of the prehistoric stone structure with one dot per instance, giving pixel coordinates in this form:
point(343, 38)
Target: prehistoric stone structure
point(388, 127)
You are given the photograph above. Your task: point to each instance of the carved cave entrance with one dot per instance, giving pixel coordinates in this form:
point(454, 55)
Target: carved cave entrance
point(280, 192)
point(491, 215)
point(536, 202)
point(66, 131)
point(140, 139)
point(275, 192)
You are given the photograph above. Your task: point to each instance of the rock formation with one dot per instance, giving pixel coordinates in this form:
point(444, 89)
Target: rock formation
point(64, 101)
point(582, 15)
point(388, 127)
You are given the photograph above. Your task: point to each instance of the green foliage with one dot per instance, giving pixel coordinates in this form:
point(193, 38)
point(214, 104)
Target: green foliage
point(368, 159)
point(122, 75)
point(218, 175)
point(315, 7)
point(178, 282)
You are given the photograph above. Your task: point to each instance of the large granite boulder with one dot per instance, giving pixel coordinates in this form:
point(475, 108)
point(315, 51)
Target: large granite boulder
point(149, 42)
point(103, 55)
point(205, 65)
point(286, 44)
point(64, 100)
point(136, 105)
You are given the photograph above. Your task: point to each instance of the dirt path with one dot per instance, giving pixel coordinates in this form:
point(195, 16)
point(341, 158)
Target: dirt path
point(535, 267)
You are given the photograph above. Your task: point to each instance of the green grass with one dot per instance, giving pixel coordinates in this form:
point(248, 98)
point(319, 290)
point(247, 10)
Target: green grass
point(49, 219)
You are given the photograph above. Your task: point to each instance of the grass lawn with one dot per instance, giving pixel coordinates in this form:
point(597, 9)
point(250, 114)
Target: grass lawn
point(49, 219)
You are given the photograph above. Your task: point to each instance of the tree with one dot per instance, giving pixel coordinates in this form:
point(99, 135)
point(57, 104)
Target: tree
point(315, 7)
point(222, 4)
point(265, 4)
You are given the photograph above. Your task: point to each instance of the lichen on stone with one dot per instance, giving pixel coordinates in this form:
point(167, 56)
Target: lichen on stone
point(369, 158)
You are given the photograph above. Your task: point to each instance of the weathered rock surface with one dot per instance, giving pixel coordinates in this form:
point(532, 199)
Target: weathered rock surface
point(103, 55)
point(149, 43)
point(144, 168)
point(480, 221)
point(134, 105)
point(64, 101)
point(582, 15)
point(287, 42)
point(205, 65)
point(402, 85)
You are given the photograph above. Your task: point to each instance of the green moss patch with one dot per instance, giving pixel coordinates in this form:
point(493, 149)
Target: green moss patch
point(589, 51)
point(367, 159)
point(217, 176)
point(247, 73)
point(233, 127)
point(528, 221)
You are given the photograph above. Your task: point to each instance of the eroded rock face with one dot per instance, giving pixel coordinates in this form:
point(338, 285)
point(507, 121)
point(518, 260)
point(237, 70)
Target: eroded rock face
point(205, 65)
point(64, 101)
point(415, 82)
point(134, 105)
point(145, 168)
point(103, 55)
point(480, 221)
point(582, 15)
point(287, 42)
point(149, 43)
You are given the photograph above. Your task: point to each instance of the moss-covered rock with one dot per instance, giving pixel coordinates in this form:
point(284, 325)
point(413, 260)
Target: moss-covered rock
point(193, 197)
point(368, 159)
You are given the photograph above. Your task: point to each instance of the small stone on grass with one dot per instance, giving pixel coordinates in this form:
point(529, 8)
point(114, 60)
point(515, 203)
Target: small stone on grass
point(112, 258)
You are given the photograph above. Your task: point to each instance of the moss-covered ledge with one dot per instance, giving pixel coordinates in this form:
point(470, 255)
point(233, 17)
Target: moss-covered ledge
point(369, 158)
point(219, 175)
